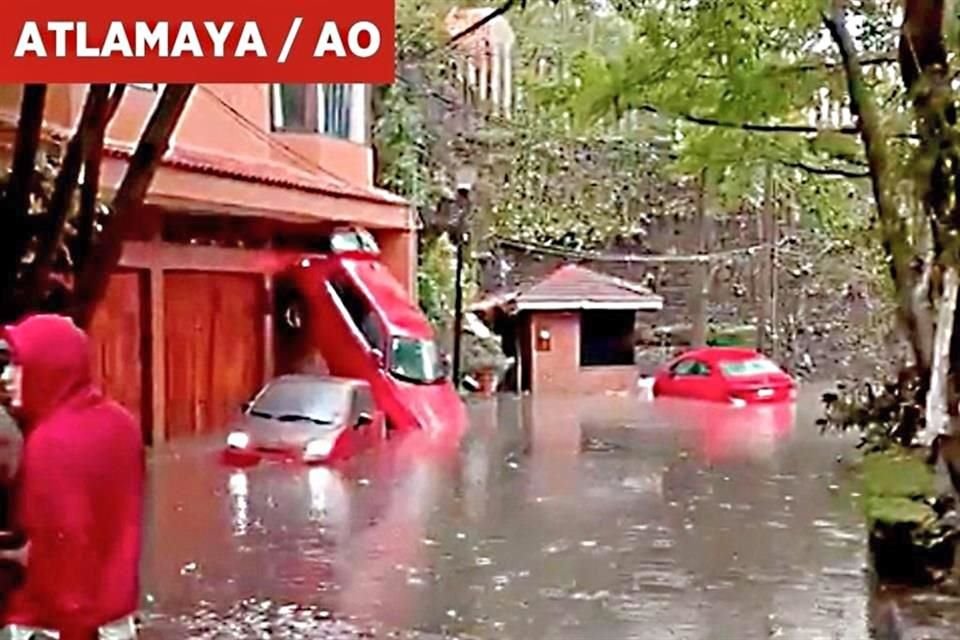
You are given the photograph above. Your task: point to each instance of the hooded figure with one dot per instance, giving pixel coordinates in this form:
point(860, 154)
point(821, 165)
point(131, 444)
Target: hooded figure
point(79, 496)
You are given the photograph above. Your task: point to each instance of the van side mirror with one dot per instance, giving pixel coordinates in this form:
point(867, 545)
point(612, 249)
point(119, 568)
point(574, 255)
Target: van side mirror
point(363, 420)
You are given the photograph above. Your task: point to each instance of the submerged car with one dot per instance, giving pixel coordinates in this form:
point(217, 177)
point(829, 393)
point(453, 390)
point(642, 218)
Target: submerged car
point(350, 309)
point(730, 375)
point(314, 419)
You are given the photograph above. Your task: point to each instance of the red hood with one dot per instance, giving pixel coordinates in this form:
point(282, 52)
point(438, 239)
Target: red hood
point(55, 356)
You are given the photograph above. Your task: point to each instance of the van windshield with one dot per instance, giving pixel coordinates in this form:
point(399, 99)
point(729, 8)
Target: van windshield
point(415, 360)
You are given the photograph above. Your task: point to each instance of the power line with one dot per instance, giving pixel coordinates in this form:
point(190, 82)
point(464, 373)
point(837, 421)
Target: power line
point(264, 135)
point(629, 258)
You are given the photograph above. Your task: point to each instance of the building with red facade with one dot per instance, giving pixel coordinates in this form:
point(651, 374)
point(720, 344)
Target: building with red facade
point(257, 173)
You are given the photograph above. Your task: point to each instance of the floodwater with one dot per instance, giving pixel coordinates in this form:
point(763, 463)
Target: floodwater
point(556, 518)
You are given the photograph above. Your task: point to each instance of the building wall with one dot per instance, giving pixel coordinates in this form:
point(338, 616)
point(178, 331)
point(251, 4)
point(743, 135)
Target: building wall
point(399, 254)
point(558, 370)
point(157, 262)
point(229, 119)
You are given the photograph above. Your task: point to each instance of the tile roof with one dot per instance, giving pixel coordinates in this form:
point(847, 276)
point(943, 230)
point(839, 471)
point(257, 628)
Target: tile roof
point(572, 287)
point(263, 172)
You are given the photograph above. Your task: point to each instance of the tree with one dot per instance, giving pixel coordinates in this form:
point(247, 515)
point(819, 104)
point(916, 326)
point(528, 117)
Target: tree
point(60, 247)
point(919, 225)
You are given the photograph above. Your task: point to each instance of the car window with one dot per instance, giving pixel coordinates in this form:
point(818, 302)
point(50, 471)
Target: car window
point(416, 360)
point(686, 368)
point(359, 312)
point(745, 368)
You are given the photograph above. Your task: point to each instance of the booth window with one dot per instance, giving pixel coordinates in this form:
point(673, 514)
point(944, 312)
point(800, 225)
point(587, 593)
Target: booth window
point(607, 338)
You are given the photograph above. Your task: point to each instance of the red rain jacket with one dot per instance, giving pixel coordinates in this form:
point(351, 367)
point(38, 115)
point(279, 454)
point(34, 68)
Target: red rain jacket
point(79, 496)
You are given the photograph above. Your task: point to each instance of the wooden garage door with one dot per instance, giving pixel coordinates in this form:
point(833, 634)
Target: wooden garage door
point(118, 345)
point(214, 348)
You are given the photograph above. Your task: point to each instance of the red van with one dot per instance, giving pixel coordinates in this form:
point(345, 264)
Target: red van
point(348, 308)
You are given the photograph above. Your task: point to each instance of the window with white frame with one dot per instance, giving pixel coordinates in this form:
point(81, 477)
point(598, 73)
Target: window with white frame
point(336, 110)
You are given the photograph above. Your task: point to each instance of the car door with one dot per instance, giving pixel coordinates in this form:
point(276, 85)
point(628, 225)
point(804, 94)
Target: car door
point(364, 431)
point(366, 332)
point(691, 378)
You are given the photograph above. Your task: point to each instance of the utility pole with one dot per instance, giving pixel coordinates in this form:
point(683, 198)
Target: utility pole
point(767, 324)
point(698, 297)
point(465, 179)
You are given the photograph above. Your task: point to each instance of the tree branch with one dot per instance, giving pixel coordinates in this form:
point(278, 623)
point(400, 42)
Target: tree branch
point(745, 126)
point(479, 24)
point(826, 171)
point(893, 229)
point(64, 187)
point(886, 57)
point(154, 143)
point(90, 189)
point(14, 208)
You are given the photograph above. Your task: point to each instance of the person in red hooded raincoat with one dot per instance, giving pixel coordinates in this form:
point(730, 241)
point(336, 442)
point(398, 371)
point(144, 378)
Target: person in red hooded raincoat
point(79, 495)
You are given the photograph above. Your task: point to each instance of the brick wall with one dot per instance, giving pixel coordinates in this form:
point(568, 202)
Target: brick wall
point(558, 370)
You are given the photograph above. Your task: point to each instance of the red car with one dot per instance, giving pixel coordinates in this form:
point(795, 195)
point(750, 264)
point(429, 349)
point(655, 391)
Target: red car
point(356, 316)
point(307, 418)
point(724, 374)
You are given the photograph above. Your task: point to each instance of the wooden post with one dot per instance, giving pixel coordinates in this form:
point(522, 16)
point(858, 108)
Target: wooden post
point(158, 369)
point(699, 294)
point(765, 318)
point(774, 269)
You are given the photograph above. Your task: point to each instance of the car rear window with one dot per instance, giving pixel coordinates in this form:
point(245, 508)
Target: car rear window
point(744, 368)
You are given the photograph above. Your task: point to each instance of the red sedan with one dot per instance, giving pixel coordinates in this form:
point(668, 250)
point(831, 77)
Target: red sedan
point(723, 374)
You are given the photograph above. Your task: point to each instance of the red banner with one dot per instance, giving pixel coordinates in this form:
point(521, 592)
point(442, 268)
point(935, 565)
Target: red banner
point(197, 41)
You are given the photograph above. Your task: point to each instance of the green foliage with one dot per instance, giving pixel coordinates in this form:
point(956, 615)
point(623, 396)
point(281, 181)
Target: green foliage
point(897, 473)
point(483, 354)
point(899, 493)
point(436, 279)
point(404, 142)
point(891, 511)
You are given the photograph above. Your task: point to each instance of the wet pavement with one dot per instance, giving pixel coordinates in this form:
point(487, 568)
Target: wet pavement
point(562, 519)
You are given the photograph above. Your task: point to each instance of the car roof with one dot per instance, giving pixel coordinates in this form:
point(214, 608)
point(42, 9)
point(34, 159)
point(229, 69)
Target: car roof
point(401, 316)
point(716, 354)
point(352, 383)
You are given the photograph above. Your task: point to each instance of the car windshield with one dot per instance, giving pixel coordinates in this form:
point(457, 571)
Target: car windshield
point(344, 240)
point(746, 368)
point(416, 360)
point(320, 402)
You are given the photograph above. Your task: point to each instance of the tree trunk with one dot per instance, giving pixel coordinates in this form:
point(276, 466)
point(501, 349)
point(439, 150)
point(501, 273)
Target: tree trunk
point(937, 409)
point(14, 208)
point(51, 230)
point(90, 189)
point(154, 143)
point(894, 232)
point(699, 294)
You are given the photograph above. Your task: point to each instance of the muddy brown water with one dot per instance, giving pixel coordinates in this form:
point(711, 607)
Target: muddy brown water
point(555, 518)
